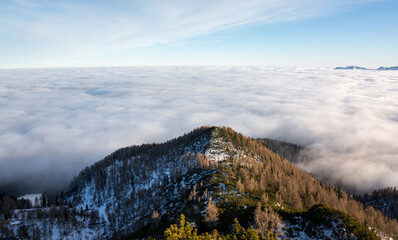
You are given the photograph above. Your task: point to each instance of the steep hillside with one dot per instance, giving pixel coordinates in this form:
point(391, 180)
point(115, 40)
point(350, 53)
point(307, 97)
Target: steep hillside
point(384, 199)
point(262, 176)
point(286, 150)
point(212, 176)
point(127, 186)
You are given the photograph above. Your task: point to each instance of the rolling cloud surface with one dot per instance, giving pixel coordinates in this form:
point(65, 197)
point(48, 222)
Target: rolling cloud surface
point(54, 122)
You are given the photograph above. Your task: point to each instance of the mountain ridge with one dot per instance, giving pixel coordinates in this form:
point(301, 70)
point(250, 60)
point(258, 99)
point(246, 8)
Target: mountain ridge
point(364, 68)
point(215, 145)
point(139, 187)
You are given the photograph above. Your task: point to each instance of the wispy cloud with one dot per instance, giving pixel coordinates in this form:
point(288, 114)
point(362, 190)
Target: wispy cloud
point(73, 29)
point(56, 121)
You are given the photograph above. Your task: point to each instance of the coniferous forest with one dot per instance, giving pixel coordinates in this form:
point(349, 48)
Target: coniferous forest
point(212, 183)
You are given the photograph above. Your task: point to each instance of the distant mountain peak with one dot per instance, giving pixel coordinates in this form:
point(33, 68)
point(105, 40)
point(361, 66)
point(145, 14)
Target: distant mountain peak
point(351, 68)
point(363, 68)
point(388, 68)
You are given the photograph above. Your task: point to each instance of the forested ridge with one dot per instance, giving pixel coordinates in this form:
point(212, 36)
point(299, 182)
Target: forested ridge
point(212, 175)
point(383, 199)
point(278, 185)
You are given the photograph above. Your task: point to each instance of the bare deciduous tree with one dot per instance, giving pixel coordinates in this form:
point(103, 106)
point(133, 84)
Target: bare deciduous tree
point(266, 220)
point(211, 216)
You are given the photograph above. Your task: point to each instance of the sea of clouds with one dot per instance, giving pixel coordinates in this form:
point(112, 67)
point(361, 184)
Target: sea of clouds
point(54, 122)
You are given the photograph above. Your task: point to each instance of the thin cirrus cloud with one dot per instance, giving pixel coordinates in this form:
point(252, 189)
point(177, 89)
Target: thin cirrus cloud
point(48, 31)
point(54, 122)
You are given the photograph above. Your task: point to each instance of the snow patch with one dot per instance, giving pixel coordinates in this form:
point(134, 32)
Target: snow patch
point(32, 198)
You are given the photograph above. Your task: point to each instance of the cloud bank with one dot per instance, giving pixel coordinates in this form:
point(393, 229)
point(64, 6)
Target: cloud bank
point(43, 33)
point(54, 122)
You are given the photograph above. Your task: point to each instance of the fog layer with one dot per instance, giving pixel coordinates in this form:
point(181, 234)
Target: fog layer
point(54, 122)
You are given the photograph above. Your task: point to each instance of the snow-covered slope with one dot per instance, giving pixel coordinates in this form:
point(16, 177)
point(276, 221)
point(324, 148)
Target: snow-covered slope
point(127, 186)
point(143, 182)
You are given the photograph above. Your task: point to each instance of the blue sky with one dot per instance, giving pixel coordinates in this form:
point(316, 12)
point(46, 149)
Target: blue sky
point(225, 32)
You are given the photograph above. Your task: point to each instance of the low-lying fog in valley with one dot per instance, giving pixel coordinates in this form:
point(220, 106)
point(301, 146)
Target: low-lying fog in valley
point(54, 122)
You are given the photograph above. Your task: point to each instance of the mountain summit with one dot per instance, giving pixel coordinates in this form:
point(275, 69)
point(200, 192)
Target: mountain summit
point(212, 175)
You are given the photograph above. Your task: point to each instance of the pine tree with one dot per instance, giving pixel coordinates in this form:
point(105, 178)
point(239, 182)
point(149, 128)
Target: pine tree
point(185, 230)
